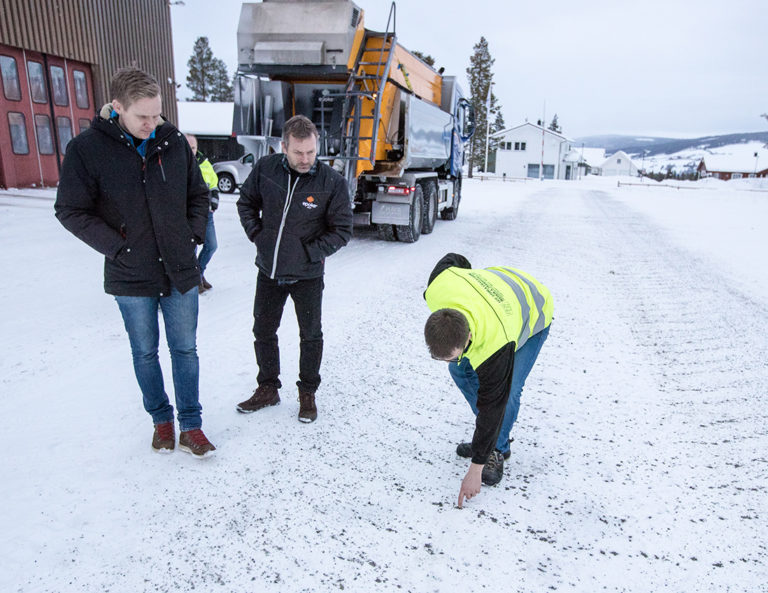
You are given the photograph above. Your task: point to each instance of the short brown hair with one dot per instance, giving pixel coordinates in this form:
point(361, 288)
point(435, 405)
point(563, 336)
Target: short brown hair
point(445, 331)
point(130, 84)
point(299, 127)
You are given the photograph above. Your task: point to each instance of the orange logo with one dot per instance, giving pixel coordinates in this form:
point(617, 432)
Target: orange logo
point(310, 199)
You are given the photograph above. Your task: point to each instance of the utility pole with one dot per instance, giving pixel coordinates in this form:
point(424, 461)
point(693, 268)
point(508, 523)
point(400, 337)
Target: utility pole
point(543, 123)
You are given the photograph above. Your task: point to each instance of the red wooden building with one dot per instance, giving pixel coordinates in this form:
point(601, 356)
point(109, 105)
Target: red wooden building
point(56, 60)
point(727, 168)
point(45, 101)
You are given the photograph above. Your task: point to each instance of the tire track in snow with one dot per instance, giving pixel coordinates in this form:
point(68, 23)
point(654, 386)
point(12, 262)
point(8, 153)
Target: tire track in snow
point(670, 389)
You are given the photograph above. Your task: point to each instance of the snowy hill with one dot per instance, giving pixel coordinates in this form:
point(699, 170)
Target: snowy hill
point(635, 145)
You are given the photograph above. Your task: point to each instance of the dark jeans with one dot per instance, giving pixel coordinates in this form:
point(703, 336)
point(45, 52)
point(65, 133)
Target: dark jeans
point(268, 305)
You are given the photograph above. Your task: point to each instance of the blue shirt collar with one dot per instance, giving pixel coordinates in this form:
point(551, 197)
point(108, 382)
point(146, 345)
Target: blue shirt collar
point(142, 146)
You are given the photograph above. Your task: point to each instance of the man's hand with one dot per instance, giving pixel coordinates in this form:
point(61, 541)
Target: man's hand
point(470, 485)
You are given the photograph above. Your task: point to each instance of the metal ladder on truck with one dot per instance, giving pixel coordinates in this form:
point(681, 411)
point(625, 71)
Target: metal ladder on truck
point(366, 82)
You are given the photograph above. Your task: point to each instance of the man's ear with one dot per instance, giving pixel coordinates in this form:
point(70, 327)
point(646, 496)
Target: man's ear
point(117, 106)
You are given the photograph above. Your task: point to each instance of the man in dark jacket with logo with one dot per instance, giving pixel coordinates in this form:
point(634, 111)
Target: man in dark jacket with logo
point(131, 189)
point(297, 212)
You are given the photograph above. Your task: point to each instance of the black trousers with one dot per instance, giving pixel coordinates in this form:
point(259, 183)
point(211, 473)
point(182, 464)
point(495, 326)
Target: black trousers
point(268, 305)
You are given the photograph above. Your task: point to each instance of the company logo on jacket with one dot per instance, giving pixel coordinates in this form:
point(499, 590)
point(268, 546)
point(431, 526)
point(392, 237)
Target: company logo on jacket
point(309, 203)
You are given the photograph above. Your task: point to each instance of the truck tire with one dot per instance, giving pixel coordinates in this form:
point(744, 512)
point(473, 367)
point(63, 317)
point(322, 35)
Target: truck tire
point(452, 212)
point(430, 207)
point(386, 232)
point(226, 183)
point(410, 233)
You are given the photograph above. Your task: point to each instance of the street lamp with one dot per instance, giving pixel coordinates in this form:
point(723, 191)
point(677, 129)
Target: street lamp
point(642, 171)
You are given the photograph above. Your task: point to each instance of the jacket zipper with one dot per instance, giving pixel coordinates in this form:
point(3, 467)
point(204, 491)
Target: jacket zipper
point(282, 224)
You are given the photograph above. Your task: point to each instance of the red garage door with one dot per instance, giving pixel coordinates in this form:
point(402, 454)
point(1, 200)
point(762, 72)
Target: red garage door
point(45, 101)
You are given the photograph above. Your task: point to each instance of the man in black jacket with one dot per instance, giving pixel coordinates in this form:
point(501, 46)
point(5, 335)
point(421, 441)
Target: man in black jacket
point(297, 212)
point(131, 189)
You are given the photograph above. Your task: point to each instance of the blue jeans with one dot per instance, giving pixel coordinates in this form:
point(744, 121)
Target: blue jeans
point(467, 381)
point(140, 315)
point(210, 245)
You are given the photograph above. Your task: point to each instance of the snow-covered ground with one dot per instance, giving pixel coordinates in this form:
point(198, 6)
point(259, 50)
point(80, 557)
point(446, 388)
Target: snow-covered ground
point(639, 462)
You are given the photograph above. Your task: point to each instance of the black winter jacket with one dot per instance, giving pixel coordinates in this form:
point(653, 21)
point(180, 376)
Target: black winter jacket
point(295, 220)
point(146, 215)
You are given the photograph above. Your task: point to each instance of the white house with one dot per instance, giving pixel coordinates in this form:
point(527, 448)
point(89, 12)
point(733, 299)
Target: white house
point(619, 164)
point(530, 150)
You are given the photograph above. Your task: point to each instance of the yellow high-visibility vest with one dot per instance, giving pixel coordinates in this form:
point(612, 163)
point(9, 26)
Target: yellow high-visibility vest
point(501, 304)
point(209, 175)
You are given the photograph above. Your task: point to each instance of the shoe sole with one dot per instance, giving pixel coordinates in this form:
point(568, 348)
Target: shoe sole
point(163, 451)
point(307, 420)
point(244, 411)
point(195, 455)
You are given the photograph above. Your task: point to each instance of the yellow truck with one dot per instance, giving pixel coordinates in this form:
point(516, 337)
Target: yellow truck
point(387, 121)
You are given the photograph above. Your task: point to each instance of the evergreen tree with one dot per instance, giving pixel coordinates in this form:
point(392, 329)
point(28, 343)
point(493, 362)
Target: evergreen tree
point(207, 79)
point(554, 126)
point(424, 58)
point(480, 81)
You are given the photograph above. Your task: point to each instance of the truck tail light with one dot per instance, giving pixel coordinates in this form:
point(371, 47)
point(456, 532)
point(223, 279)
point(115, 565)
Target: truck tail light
point(400, 191)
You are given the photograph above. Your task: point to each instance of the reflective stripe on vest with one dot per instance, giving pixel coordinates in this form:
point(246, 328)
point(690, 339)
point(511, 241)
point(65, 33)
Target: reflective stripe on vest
point(525, 309)
point(538, 299)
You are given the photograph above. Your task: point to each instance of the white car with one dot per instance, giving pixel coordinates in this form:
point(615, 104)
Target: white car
point(232, 174)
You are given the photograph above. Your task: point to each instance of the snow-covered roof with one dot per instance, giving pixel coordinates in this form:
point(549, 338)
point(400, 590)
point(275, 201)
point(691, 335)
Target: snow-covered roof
point(740, 158)
point(503, 132)
point(618, 154)
point(205, 119)
point(594, 157)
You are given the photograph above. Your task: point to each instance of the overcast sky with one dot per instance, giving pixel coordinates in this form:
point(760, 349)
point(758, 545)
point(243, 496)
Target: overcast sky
point(679, 68)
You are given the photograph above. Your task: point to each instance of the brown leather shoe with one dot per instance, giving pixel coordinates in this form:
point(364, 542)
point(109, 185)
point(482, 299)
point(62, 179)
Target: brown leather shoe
point(205, 284)
point(164, 439)
point(307, 407)
point(263, 396)
point(195, 442)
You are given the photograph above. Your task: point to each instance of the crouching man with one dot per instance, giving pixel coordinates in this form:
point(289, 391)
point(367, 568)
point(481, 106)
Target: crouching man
point(489, 325)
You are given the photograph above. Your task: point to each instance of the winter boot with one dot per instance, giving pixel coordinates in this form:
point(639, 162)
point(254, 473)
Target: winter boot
point(195, 442)
point(307, 407)
point(493, 469)
point(263, 396)
point(465, 450)
point(164, 439)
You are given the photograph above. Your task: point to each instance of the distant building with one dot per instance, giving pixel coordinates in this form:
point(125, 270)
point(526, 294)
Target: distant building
point(593, 158)
point(726, 167)
point(532, 151)
point(56, 60)
point(211, 123)
point(619, 163)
